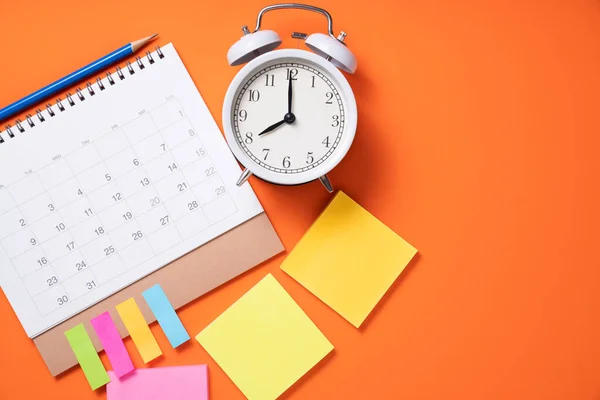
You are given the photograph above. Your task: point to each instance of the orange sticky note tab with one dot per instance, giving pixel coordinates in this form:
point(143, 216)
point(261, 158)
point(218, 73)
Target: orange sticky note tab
point(138, 330)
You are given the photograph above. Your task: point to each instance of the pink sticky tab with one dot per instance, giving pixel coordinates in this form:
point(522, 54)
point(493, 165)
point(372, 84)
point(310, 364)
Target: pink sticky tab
point(113, 344)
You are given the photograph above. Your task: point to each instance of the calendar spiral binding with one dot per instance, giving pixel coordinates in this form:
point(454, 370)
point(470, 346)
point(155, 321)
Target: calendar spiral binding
point(53, 110)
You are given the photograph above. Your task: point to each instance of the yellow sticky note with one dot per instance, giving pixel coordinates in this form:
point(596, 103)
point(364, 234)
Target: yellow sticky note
point(264, 342)
point(138, 330)
point(348, 259)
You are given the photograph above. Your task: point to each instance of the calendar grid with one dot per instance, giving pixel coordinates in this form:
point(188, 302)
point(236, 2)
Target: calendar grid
point(51, 264)
point(76, 150)
point(105, 209)
point(123, 248)
point(76, 246)
point(93, 191)
point(112, 192)
point(64, 276)
point(135, 153)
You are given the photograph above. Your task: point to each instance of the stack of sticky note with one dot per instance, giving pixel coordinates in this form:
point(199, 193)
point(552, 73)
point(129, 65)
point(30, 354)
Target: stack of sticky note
point(348, 259)
point(188, 382)
point(264, 341)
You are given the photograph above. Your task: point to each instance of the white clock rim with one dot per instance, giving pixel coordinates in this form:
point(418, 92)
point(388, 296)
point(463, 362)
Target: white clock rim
point(320, 170)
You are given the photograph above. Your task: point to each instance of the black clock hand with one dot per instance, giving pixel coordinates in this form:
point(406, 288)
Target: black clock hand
point(290, 94)
point(272, 127)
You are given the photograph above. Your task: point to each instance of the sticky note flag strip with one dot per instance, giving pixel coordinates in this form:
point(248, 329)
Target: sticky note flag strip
point(348, 259)
point(188, 382)
point(113, 344)
point(86, 355)
point(264, 342)
point(138, 330)
point(166, 315)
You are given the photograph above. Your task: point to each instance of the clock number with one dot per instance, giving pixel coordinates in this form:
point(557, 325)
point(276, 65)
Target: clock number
point(270, 80)
point(266, 151)
point(329, 96)
point(248, 139)
point(292, 73)
point(309, 158)
point(313, 82)
point(286, 162)
point(243, 114)
point(253, 95)
point(326, 141)
point(336, 121)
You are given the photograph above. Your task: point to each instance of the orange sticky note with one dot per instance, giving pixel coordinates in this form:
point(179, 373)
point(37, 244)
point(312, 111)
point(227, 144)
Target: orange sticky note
point(138, 330)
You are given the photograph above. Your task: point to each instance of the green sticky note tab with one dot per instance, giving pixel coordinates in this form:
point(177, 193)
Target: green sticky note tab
point(86, 355)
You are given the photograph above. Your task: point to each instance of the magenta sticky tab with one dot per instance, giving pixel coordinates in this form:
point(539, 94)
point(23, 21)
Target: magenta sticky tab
point(113, 344)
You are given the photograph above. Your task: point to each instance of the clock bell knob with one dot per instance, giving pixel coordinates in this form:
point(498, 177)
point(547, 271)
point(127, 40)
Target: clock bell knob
point(251, 45)
point(333, 50)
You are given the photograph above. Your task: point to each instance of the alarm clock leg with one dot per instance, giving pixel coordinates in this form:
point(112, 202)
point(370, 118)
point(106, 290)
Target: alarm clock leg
point(244, 177)
point(327, 183)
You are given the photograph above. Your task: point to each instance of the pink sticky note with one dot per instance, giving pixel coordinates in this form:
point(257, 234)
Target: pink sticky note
point(113, 344)
point(188, 382)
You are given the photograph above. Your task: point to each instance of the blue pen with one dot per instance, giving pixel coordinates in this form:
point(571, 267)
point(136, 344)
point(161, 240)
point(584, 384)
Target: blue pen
point(73, 78)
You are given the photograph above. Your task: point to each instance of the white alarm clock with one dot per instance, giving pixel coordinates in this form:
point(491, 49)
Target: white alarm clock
point(290, 115)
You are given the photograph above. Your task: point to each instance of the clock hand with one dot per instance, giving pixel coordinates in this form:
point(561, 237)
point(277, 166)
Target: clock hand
point(290, 94)
point(273, 127)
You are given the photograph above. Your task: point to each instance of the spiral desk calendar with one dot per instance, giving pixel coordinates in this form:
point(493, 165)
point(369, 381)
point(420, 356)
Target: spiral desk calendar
point(101, 190)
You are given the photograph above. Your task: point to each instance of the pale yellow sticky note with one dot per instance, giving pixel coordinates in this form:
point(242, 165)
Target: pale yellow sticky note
point(348, 259)
point(264, 342)
point(138, 330)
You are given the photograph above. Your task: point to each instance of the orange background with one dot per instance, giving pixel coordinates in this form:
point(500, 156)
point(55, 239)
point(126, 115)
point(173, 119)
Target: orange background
point(477, 141)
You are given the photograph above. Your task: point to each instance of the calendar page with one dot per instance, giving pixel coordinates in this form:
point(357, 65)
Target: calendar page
point(117, 185)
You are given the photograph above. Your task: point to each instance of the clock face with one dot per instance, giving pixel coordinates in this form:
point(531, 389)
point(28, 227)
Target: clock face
point(290, 141)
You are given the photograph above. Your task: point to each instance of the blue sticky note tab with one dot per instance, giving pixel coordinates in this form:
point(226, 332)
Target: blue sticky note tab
point(166, 316)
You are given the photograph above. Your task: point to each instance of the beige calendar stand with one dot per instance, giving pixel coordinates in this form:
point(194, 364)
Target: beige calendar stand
point(184, 280)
